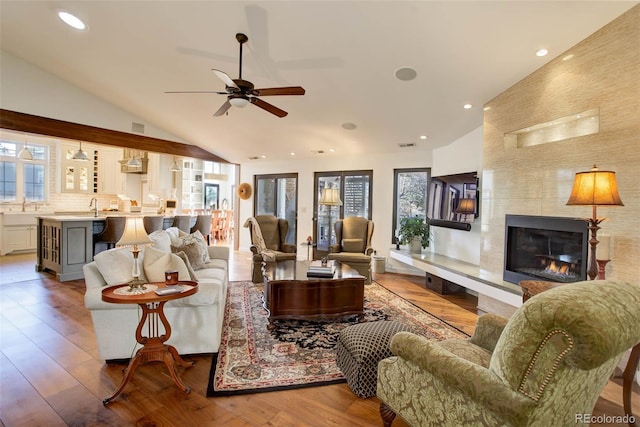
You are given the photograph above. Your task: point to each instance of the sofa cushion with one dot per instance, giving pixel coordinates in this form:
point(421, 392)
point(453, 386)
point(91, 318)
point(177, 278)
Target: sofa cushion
point(211, 273)
point(353, 245)
point(157, 262)
point(161, 240)
point(209, 291)
point(116, 265)
point(201, 245)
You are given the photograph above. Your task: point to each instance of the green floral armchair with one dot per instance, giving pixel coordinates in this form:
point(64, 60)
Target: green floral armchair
point(542, 367)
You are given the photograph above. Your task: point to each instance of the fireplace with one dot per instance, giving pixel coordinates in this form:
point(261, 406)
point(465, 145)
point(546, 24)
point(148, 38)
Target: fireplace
point(545, 248)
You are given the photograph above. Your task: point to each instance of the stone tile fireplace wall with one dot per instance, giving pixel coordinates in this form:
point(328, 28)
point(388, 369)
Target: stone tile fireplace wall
point(600, 73)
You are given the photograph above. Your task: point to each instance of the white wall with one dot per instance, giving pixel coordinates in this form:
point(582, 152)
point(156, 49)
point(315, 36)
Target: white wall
point(28, 89)
point(382, 198)
point(463, 155)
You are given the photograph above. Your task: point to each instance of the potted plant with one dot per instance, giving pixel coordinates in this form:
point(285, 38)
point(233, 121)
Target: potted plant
point(414, 231)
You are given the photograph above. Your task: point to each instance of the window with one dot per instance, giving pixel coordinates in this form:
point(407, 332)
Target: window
point(354, 190)
point(22, 178)
point(410, 188)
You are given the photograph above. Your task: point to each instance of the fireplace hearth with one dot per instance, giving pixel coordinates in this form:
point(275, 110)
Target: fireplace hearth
point(545, 248)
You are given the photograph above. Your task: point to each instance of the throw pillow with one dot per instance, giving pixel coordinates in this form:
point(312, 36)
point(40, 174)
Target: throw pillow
point(193, 253)
point(187, 263)
point(161, 240)
point(157, 262)
point(201, 242)
point(352, 245)
point(116, 265)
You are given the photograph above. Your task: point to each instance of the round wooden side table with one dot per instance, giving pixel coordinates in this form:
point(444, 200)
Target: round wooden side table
point(153, 348)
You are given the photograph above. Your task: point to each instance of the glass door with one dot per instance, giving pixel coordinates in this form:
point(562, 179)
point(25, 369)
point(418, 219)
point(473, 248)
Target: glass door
point(338, 195)
point(278, 195)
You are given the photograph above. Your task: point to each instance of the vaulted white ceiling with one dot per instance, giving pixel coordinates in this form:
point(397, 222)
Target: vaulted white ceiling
point(344, 53)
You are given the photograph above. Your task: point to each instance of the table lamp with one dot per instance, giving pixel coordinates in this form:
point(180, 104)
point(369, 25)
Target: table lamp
point(330, 197)
point(594, 188)
point(134, 234)
point(467, 206)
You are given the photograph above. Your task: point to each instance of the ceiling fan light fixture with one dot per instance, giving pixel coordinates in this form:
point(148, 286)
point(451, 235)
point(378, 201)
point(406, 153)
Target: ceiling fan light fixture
point(239, 102)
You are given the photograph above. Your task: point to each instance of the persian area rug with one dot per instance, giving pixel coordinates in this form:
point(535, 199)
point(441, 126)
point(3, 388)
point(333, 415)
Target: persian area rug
point(297, 353)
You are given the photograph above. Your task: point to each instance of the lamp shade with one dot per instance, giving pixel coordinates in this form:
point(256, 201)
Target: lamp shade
point(595, 188)
point(134, 233)
point(330, 197)
point(80, 155)
point(239, 102)
point(25, 154)
point(467, 206)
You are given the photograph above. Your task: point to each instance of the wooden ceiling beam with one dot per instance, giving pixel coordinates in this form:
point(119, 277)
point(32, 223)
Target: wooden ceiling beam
point(29, 123)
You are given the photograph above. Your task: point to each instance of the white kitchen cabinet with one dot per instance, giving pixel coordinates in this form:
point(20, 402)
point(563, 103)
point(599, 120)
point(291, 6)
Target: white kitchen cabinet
point(77, 176)
point(110, 178)
point(18, 232)
point(192, 184)
point(159, 179)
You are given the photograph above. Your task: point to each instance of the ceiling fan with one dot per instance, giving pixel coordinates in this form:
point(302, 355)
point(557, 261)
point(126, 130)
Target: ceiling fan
point(242, 92)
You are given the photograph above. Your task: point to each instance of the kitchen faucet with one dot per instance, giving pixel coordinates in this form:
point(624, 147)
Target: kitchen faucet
point(94, 202)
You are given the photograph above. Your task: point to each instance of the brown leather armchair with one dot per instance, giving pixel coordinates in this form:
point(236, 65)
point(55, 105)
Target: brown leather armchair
point(353, 235)
point(268, 242)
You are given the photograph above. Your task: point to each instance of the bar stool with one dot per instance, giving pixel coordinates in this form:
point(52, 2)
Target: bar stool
point(152, 223)
point(113, 229)
point(183, 222)
point(203, 224)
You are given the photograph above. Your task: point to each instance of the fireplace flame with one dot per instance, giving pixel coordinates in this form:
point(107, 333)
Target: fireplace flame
point(558, 268)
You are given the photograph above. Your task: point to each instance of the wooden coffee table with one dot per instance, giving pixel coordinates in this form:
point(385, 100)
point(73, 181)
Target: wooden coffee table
point(289, 294)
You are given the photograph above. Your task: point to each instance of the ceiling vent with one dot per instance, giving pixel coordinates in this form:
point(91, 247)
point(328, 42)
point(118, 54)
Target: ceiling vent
point(253, 157)
point(407, 144)
point(137, 127)
point(318, 151)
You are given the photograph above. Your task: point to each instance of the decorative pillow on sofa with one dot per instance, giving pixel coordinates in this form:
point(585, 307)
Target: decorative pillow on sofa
point(187, 263)
point(156, 262)
point(116, 265)
point(201, 243)
point(352, 245)
point(161, 240)
point(193, 252)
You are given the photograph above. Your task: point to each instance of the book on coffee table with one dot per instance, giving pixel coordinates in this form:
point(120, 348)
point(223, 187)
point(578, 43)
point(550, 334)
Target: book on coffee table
point(321, 271)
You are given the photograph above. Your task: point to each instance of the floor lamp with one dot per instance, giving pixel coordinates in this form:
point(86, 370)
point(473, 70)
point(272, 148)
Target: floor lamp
point(330, 197)
point(594, 188)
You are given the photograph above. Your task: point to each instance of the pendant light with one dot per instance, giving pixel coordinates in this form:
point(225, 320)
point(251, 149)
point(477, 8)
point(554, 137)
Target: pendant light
point(80, 155)
point(134, 162)
point(25, 153)
point(175, 167)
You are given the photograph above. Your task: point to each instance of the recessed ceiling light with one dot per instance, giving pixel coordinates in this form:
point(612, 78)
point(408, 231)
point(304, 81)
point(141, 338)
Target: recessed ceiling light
point(349, 126)
point(406, 73)
point(71, 20)
point(486, 108)
point(332, 150)
point(423, 136)
point(263, 157)
point(542, 52)
point(467, 106)
point(292, 153)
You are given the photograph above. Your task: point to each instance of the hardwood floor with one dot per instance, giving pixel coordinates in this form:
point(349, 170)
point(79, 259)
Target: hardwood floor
point(51, 374)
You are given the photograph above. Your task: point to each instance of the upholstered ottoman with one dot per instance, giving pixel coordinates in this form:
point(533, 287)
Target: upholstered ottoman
point(359, 349)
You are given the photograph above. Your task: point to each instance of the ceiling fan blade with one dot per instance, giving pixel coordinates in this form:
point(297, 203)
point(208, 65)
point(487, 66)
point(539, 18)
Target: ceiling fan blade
point(197, 91)
point(222, 109)
point(268, 107)
point(290, 90)
point(225, 78)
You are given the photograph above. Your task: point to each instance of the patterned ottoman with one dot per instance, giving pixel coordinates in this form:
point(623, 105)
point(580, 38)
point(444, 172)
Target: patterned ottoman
point(359, 349)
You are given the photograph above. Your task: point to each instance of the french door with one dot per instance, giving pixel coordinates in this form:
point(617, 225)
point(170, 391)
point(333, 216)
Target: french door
point(354, 191)
point(277, 195)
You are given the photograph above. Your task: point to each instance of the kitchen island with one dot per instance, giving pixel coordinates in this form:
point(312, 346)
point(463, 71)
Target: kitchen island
point(65, 243)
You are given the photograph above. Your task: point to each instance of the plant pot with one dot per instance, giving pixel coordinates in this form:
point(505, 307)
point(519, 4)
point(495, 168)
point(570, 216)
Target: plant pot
point(415, 245)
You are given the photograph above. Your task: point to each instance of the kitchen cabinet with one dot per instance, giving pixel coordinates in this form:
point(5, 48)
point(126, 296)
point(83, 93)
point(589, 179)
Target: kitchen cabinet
point(110, 179)
point(65, 244)
point(18, 232)
point(159, 179)
point(77, 176)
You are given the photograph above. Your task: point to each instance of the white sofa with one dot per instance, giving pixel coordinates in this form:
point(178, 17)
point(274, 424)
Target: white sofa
point(196, 321)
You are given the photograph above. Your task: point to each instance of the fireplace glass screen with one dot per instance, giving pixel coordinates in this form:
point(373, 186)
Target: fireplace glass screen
point(545, 248)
